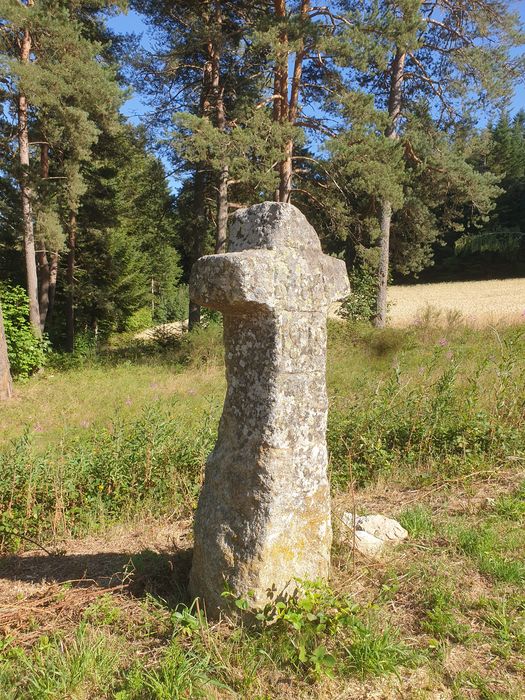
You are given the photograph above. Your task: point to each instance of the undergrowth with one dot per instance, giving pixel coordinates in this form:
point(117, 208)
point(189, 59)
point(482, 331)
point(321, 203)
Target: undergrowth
point(110, 474)
point(421, 408)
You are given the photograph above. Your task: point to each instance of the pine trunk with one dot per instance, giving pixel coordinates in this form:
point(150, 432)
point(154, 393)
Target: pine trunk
point(394, 113)
point(382, 279)
point(43, 267)
point(215, 53)
point(286, 108)
point(210, 82)
point(285, 174)
point(27, 196)
point(199, 208)
point(280, 98)
point(6, 384)
point(70, 282)
point(44, 283)
point(221, 243)
point(53, 274)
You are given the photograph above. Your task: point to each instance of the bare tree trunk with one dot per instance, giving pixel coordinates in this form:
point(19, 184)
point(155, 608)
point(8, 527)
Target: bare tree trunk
point(199, 186)
point(53, 274)
point(70, 281)
point(382, 274)
point(215, 52)
point(27, 195)
point(394, 113)
point(199, 208)
point(41, 253)
point(286, 173)
point(44, 284)
point(286, 108)
point(221, 243)
point(6, 384)
point(280, 99)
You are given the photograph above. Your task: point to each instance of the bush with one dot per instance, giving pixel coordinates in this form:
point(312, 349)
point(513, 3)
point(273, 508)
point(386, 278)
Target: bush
point(26, 352)
point(139, 320)
point(319, 633)
point(361, 304)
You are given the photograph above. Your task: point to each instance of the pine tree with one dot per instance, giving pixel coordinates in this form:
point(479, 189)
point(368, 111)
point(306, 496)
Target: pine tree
point(17, 40)
point(66, 92)
point(454, 57)
point(127, 233)
point(507, 159)
point(197, 78)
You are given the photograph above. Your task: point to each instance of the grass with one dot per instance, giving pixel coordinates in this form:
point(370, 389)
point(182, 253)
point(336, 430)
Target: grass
point(426, 424)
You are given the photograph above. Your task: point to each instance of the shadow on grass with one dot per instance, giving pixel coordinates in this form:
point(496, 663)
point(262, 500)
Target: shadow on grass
point(163, 576)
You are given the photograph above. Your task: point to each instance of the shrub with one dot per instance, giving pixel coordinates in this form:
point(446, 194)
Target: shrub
point(26, 352)
point(139, 320)
point(361, 304)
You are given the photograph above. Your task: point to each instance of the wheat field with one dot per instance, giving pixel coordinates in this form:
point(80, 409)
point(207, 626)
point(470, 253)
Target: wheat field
point(477, 303)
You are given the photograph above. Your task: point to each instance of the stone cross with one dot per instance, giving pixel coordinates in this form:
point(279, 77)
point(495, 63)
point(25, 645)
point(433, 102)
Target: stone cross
point(263, 519)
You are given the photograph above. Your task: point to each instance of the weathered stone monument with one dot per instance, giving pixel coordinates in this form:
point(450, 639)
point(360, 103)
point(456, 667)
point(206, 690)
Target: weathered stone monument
point(263, 519)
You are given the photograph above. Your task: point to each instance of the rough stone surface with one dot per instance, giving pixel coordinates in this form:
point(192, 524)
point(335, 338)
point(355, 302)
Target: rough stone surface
point(263, 518)
point(373, 533)
point(368, 544)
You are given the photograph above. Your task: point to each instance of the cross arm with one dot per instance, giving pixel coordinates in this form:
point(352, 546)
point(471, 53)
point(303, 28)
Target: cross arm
point(234, 282)
point(337, 286)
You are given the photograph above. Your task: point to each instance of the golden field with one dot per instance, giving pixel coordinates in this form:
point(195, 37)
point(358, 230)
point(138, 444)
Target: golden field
point(477, 303)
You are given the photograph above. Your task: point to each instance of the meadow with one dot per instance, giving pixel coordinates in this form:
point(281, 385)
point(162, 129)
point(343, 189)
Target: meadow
point(101, 459)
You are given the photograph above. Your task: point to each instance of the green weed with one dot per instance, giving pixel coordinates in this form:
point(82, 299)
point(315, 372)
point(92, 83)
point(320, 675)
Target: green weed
point(180, 673)
point(418, 522)
point(83, 667)
point(441, 616)
point(486, 547)
point(469, 680)
point(512, 507)
point(320, 633)
point(506, 618)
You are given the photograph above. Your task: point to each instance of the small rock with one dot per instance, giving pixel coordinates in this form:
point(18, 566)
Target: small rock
point(373, 532)
point(385, 529)
point(367, 544)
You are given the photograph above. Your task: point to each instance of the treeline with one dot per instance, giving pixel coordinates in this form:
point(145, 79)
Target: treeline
point(363, 114)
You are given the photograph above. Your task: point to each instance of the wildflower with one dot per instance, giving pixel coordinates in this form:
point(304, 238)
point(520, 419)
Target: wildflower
point(442, 342)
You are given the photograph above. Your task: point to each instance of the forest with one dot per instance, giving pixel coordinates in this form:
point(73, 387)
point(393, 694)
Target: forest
point(386, 123)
